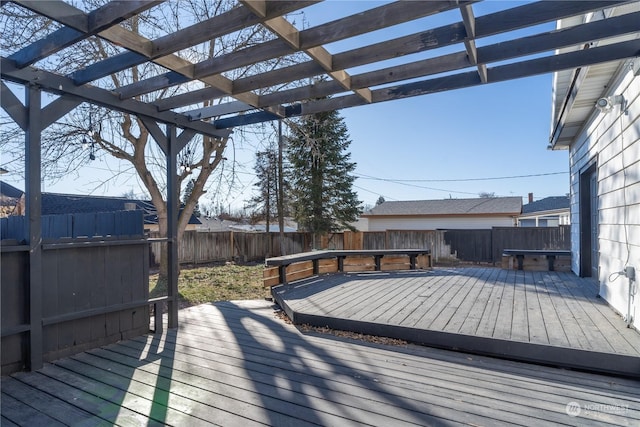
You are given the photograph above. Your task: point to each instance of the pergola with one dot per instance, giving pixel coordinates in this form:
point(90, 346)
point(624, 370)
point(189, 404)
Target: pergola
point(485, 49)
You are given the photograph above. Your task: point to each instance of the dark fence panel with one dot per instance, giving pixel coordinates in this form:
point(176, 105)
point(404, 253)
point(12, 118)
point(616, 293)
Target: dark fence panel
point(121, 223)
point(57, 226)
point(13, 227)
point(530, 238)
point(470, 245)
point(94, 292)
point(14, 298)
point(487, 245)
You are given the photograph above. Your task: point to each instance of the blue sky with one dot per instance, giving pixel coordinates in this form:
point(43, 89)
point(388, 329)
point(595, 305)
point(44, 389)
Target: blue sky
point(429, 147)
point(498, 130)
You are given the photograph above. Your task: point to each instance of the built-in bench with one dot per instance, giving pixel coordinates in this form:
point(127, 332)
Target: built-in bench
point(284, 269)
point(536, 259)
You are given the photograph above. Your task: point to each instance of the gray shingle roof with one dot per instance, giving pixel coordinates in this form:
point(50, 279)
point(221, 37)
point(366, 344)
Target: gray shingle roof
point(547, 204)
point(8, 191)
point(486, 206)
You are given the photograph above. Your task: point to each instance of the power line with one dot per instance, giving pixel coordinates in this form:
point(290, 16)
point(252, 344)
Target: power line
point(425, 187)
point(460, 179)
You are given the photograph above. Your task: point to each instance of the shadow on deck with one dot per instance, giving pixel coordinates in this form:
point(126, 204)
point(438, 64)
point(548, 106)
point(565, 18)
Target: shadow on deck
point(238, 364)
point(549, 318)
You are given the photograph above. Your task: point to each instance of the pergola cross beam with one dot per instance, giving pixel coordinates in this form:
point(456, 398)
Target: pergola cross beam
point(64, 86)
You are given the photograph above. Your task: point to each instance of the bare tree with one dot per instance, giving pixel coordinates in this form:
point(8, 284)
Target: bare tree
point(123, 136)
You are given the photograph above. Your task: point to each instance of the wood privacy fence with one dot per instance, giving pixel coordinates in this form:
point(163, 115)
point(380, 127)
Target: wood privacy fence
point(219, 246)
point(93, 290)
point(120, 223)
point(463, 245)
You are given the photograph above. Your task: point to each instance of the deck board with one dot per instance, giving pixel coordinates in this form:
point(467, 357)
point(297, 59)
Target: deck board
point(550, 318)
point(476, 306)
point(52, 407)
point(486, 327)
point(553, 309)
point(237, 363)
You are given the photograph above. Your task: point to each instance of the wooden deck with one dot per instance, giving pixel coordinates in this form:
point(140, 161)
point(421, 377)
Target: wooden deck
point(544, 317)
point(237, 364)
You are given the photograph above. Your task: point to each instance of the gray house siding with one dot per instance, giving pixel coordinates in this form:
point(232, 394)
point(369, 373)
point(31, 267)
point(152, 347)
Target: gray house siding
point(609, 147)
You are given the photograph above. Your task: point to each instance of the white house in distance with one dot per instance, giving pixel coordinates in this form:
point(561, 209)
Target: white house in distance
point(548, 212)
point(478, 213)
point(596, 116)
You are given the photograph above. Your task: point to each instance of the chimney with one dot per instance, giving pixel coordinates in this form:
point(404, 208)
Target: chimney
point(530, 197)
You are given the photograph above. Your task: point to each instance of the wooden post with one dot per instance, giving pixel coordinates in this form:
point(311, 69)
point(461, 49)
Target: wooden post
point(283, 249)
point(172, 225)
point(412, 262)
point(231, 242)
point(33, 161)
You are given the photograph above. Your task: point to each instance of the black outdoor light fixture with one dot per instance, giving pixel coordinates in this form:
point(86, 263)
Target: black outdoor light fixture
point(85, 144)
point(185, 164)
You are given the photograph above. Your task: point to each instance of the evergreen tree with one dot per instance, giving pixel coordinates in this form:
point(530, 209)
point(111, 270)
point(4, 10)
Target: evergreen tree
point(266, 169)
point(380, 201)
point(321, 185)
point(187, 195)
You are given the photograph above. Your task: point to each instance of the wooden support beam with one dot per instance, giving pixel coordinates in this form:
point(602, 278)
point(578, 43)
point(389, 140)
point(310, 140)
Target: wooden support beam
point(33, 175)
point(57, 109)
point(518, 70)
point(418, 42)
point(219, 110)
point(64, 86)
point(290, 35)
point(172, 226)
point(536, 13)
point(389, 15)
point(482, 72)
point(156, 133)
point(188, 98)
point(374, 19)
point(183, 139)
point(13, 107)
point(80, 27)
point(217, 26)
point(625, 24)
point(117, 11)
point(469, 20)
point(532, 67)
point(469, 42)
point(59, 11)
point(259, 7)
point(285, 31)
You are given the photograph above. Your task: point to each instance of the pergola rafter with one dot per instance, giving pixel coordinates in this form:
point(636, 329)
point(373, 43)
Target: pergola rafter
point(291, 102)
point(334, 66)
